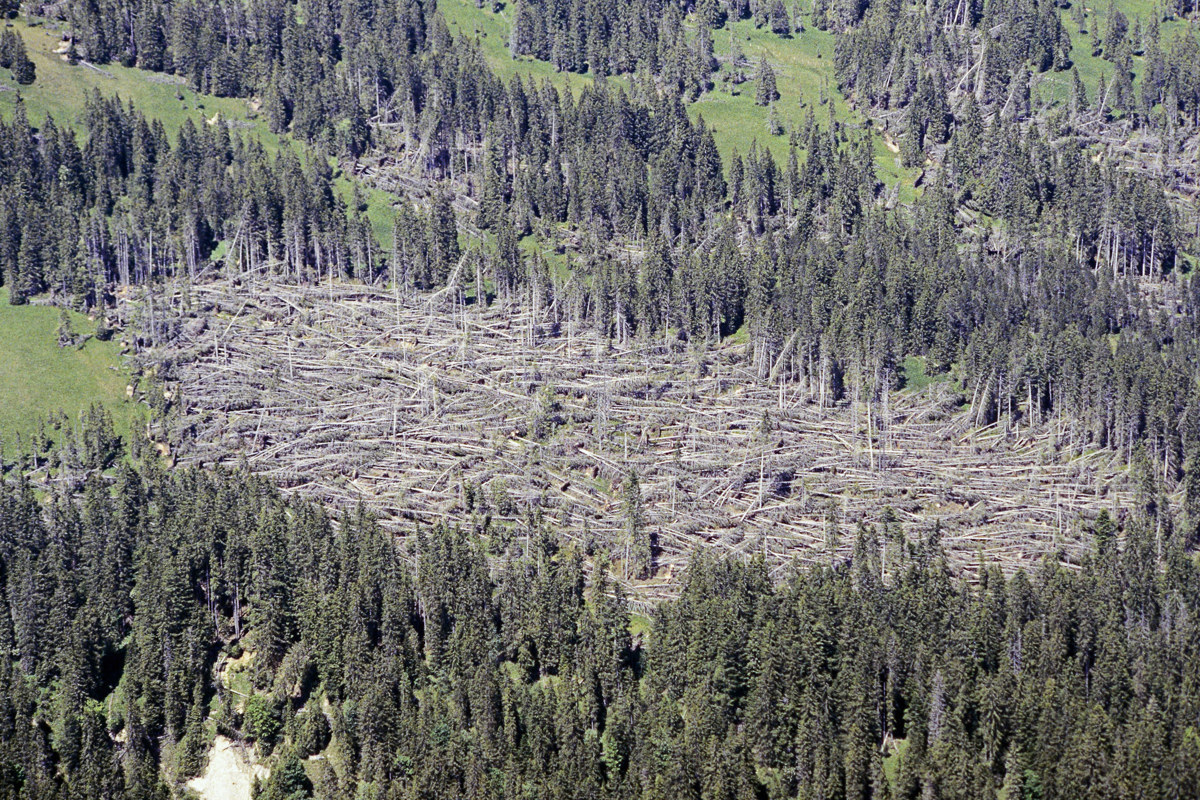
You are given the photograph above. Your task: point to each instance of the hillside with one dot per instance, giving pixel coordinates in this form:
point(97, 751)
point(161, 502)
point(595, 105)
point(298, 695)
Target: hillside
point(803, 64)
point(787, 225)
point(599, 400)
point(62, 89)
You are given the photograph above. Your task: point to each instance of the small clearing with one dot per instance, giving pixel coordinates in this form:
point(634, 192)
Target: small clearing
point(230, 773)
point(38, 378)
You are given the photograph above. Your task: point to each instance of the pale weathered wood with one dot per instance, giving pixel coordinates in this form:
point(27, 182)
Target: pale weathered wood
point(345, 394)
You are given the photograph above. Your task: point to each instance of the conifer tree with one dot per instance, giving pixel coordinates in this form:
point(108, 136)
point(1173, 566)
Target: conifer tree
point(765, 91)
point(493, 195)
point(442, 237)
point(638, 545)
point(1079, 100)
point(781, 25)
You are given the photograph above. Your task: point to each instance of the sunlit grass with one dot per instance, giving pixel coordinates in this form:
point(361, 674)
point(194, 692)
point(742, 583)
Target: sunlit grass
point(803, 64)
point(37, 377)
point(61, 91)
point(1056, 86)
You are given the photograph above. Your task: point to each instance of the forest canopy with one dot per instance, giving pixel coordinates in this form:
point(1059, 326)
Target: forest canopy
point(484, 671)
point(1001, 193)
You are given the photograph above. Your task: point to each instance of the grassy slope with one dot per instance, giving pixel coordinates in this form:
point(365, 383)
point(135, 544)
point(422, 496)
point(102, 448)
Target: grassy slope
point(804, 76)
point(60, 90)
point(803, 64)
point(1056, 86)
point(803, 67)
point(38, 377)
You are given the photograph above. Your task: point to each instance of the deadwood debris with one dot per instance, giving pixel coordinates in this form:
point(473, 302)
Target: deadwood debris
point(347, 394)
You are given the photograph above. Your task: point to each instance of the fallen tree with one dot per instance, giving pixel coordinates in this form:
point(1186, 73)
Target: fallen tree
point(492, 417)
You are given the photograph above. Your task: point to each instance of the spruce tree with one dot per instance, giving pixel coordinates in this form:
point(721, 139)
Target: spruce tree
point(493, 194)
point(638, 545)
point(781, 25)
point(442, 238)
point(1079, 100)
point(765, 92)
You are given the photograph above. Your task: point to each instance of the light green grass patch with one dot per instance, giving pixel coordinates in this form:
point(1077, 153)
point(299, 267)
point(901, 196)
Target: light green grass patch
point(916, 377)
point(891, 762)
point(558, 263)
point(740, 336)
point(803, 66)
point(38, 377)
point(804, 77)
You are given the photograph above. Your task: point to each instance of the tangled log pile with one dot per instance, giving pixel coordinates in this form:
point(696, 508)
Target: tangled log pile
point(456, 414)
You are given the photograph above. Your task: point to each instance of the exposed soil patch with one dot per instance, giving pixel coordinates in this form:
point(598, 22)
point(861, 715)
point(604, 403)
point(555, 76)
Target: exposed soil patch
point(230, 773)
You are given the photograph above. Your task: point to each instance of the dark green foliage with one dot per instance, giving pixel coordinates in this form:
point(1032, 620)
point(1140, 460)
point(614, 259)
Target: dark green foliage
point(10, 45)
point(103, 331)
point(638, 550)
point(288, 781)
point(494, 196)
point(189, 756)
point(780, 22)
point(765, 92)
point(598, 37)
point(24, 71)
point(99, 445)
point(314, 731)
point(287, 214)
point(496, 668)
point(442, 235)
point(14, 56)
point(65, 332)
point(466, 675)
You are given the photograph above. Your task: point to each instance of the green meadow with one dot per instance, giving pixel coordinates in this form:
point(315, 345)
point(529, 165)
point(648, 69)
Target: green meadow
point(61, 90)
point(37, 377)
point(803, 65)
